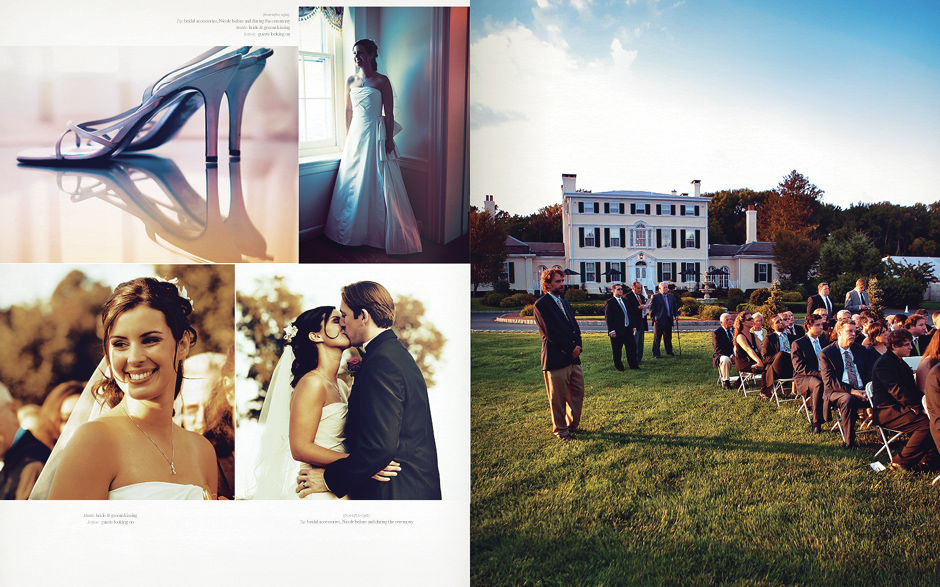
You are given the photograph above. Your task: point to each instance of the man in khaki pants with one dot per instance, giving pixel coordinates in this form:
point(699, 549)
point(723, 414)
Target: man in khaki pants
point(561, 347)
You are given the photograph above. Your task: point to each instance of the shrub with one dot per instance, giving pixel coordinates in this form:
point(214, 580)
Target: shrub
point(588, 309)
point(712, 312)
point(502, 286)
point(519, 299)
point(688, 310)
point(735, 297)
point(494, 298)
point(576, 295)
point(759, 296)
point(528, 310)
point(745, 307)
point(901, 291)
point(687, 301)
point(792, 296)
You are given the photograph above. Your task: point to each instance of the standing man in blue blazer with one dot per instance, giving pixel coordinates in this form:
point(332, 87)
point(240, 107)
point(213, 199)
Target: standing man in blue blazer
point(561, 349)
point(663, 309)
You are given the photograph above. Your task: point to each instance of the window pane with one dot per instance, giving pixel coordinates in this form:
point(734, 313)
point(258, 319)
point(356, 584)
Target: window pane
point(316, 76)
point(312, 37)
point(317, 123)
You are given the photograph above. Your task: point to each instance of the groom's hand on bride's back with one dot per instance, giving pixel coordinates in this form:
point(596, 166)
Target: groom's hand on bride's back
point(390, 471)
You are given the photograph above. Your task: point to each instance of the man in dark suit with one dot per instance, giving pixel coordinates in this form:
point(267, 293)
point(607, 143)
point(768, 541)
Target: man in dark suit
point(642, 306)
point(663, 309)
point(917, 326)
point(776, 354)
point(22, 454)
point(845, 369)
point(821, 300)
point(807, 380)
point(621, 328)
point(561, 349)
point(723, 343)
point(793, 329)
point(389, 416)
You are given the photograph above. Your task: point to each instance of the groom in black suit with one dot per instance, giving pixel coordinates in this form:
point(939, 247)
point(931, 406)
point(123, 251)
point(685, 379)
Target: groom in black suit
point(621, 321)
point(389, 415)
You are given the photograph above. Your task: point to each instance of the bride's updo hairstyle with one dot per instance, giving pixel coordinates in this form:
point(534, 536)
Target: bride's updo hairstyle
point(373, 49)
point(153, 293)
point(306, 356)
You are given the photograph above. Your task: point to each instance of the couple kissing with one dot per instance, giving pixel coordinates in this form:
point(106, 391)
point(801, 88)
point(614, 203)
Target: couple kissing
point(322, 440)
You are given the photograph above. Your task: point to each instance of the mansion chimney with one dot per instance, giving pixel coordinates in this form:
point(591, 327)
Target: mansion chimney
point(568, 183)
point(751, 224)
point(697, 187)
point(489, 206)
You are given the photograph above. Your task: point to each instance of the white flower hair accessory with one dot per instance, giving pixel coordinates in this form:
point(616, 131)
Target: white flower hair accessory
point(180, 288)
point(290, 331)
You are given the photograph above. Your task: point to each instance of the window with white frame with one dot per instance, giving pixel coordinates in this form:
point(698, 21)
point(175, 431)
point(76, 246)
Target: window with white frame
point(666, 236)
point(688, 210)
point(667, 271)
point(641, 237)
point(589, 274)
point(589, 238)
point(640, 209)
point(690, 239)
point(763, 272)
point(321, 87)
point(615, 238)
point(722, 280)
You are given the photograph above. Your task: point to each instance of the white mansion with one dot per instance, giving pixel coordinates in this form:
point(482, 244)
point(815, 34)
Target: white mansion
point(626, 236)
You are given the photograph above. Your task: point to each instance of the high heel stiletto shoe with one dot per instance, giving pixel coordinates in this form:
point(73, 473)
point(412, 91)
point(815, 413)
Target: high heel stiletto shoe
point(174, 116)
point(207, 75)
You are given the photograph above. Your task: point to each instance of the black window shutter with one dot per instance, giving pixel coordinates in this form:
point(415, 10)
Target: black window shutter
point(607, 237)
point(597, 207)
point(632, 208)
point(672, 209)
point(581, 236)
point(673, 271)
point(659, 272)
point(621, 207)
point(583, 273)
point(682, 239)
point(696, 210)
point(607, 270)
point(647, 209)
point(580, 207)
point(770, 273)
point(659, 209)
point(597, 272)
point(698, 271)
point(698, 241)
point(682, 210)
point(597, 237)
point(623, 234)
point(512, 272)
point(623, 272)
point(674, 238)
point(606, 207)
point(756, 272)
point(659, 238)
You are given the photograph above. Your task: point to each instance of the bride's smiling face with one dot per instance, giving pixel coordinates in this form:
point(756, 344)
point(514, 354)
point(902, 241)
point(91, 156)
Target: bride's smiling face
point(143, 354)
point(332, 333)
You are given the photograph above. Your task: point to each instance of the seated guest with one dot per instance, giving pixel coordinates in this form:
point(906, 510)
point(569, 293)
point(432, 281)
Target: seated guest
point(875, 343)
point(807, 380)
point(932, 402)
point(723, 343)
point(917, 326)
point(845, 371)
point(930, 358)
point(844, 315)
point(897, 402)
point(22, 454)
point(776, 355)
point(896, 321)
point(794, 330)
point(758, 327)
point(747, 358)
point(934, 320)
point(56, 409)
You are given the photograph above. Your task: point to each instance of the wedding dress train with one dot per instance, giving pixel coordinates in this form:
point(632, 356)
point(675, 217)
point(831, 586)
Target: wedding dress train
point(370, 205)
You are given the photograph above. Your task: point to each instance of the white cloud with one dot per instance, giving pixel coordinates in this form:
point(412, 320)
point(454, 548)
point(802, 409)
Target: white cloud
point(581, 5)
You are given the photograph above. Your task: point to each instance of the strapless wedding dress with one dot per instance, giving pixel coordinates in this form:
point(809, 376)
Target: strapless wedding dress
point(370, 205)
point(330, 435)
point(156, 490)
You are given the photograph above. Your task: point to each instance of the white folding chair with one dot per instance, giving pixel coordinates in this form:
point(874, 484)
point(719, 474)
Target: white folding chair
point(745, 378)
point(805, 407)
point(778, 391)
point(881, 429)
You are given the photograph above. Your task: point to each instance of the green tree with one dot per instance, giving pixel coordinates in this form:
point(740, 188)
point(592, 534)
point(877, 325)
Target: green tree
point(487, 248)
point(792, 207)
point(727, 223)
point(422, 339)
point(212, 291)
point(795, 255)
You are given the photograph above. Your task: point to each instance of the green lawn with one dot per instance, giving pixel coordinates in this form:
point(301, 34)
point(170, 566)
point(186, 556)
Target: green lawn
point(672, 481)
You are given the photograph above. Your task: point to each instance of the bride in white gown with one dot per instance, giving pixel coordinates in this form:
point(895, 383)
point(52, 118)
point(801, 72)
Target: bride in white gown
point(370, 205)
point(133, 450)
point(304, 414)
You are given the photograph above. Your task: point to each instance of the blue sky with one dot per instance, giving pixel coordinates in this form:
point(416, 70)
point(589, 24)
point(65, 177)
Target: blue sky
point(649, 95)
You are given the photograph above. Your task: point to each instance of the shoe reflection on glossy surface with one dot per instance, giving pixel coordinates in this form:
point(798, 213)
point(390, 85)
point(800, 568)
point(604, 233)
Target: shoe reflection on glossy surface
point(174, 214)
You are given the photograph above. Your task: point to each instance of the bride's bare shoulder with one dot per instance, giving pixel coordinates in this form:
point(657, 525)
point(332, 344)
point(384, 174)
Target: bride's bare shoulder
point(354, 81)
point(310, 388)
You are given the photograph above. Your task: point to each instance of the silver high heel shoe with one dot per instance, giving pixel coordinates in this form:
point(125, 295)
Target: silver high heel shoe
point(161, 129)
point(207, 75)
